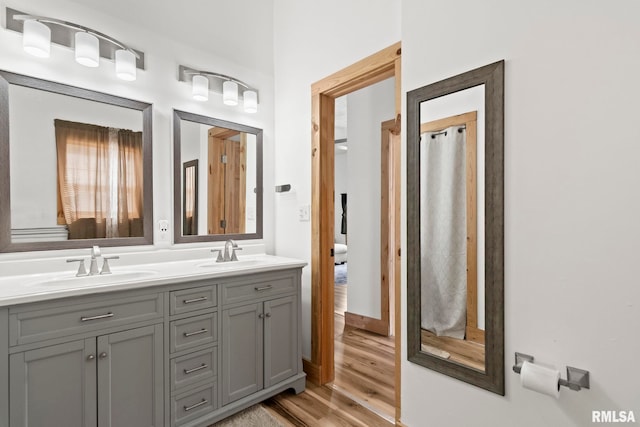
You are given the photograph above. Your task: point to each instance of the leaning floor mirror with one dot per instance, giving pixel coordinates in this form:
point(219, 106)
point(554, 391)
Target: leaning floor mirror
point(455, 227)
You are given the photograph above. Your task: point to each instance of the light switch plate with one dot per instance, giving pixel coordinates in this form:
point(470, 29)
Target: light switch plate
point(303, 212)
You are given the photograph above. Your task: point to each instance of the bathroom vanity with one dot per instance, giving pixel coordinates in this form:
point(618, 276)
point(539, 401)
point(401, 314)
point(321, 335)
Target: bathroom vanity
point(174, 344)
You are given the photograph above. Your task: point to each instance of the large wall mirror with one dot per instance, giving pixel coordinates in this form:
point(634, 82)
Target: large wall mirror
point(217, 179)
point(76, 167)
point(455, 227)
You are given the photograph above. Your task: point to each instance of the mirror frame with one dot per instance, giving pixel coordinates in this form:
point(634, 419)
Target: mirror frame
point(492, 76)
point(6, 245)
point(178, 237)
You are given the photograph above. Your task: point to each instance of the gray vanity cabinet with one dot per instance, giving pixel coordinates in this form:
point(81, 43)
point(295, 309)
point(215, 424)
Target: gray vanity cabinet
point(259, 338)
point(116, 377)
point(54, 386)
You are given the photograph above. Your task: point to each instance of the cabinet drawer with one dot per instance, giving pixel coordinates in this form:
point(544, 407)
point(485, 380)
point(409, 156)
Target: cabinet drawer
point(193, 299)
point(193, 368)
point(37, 323)
point(194, 331)
point(250, 290)
point(188, 406)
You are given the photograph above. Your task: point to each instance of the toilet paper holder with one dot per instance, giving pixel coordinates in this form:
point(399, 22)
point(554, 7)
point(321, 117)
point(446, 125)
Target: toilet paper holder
point(577, 379)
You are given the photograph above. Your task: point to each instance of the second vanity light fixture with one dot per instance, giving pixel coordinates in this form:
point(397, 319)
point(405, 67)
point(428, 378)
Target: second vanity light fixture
point(204, 81)
point(38, 32)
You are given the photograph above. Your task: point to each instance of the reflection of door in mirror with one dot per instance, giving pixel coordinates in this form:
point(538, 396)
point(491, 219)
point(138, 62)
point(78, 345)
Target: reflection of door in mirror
point(226, 181)
point(190, 198)
point(448, 205)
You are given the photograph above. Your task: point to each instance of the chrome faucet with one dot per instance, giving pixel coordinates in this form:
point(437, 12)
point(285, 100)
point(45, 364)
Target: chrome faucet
point(230, 248)
point(93, 267)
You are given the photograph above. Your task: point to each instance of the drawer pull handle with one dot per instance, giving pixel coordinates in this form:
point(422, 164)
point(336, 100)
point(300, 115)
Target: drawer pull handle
point(194, 406)
point(263, 288)
point(102, 316)
point(199, 368)
point(191, 301)
point(190, 334)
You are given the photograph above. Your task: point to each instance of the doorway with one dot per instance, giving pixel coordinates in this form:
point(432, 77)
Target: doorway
point(373, 69)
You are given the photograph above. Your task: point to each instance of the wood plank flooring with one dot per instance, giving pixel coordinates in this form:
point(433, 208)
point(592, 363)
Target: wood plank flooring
point(465, 352)
point(363, 385)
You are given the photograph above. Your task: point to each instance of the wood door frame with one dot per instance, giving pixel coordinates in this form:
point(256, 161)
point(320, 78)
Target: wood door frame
point(373, 69)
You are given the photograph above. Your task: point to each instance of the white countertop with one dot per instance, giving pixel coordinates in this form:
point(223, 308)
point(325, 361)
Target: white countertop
point(25, 288)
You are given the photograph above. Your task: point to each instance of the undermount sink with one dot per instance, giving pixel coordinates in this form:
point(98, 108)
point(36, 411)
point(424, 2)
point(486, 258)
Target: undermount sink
point(230, 265)
point(114, 277)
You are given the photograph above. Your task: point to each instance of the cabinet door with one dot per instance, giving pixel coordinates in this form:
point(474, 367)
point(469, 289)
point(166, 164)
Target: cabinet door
point(280, 340)
point(242, 340)
point(130, 378)
point(54, 386)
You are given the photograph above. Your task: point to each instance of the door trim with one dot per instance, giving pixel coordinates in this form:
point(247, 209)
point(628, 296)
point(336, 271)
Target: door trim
point(373, 69)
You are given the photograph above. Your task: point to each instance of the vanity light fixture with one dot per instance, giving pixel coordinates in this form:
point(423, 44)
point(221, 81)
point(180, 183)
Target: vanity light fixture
point(204, 81)
point(89, 45)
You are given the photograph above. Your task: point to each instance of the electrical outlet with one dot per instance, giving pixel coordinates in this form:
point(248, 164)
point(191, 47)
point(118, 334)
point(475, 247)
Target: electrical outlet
point(163, 230)
point(303, 212)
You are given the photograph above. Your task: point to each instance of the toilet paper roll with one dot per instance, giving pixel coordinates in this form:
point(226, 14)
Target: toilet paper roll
point(540, 379)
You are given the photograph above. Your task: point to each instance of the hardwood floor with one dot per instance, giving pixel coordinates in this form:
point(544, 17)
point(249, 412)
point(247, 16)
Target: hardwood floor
point(362, 393)
point(461, 351)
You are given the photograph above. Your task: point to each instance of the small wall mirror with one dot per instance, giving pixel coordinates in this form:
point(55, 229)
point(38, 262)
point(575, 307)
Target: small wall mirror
point(76, 167)
point(217, 178)
point(455, 226)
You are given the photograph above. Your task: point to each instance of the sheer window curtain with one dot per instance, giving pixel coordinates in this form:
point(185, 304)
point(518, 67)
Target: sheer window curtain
point(443, 242)
point(99, 180)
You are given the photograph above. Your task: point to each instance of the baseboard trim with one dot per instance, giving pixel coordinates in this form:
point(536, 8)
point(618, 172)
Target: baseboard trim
point(312, 370)
point(370, 324)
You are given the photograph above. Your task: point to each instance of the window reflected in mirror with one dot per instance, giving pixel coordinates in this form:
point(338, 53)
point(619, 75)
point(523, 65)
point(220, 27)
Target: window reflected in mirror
point(99, 174)
point(219, 192)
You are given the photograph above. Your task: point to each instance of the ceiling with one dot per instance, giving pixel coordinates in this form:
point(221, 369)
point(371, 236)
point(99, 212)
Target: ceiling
point(229, 29)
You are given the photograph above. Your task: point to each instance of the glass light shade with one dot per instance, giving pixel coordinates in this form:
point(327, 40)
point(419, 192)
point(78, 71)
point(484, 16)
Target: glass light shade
point(200, 88)
point(87, 49)
point(125, 65)
point(230, 93)
point(250, 101)
point(36, 39)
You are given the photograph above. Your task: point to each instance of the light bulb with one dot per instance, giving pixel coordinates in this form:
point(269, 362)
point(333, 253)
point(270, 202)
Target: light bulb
point(125, 65)
point(230, 93)
point(250, 101)
point(87, 49)
point(36, 39)
point(200, 88)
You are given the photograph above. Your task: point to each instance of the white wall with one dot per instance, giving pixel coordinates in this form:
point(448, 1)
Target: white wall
point(571, 199)
point(311, 41)
point(157, 84)
point(367, 108)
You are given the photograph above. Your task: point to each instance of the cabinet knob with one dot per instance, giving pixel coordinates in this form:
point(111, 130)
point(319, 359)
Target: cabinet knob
point(261, 316)
point(91, 357)
point(103, 355)
point(268, 314)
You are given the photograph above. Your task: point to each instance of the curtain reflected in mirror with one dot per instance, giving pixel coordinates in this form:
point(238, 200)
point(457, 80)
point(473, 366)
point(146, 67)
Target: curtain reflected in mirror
point(99, 172)
point(448, 195)
point(190, 198)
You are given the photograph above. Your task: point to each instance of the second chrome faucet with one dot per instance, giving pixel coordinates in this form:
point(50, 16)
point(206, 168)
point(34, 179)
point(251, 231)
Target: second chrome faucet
point(93, 266)
point(229, 252)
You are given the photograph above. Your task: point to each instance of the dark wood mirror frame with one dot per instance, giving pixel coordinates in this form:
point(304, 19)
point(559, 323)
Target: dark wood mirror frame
point(6, 245)
point(178, 237)
point(492, 76)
